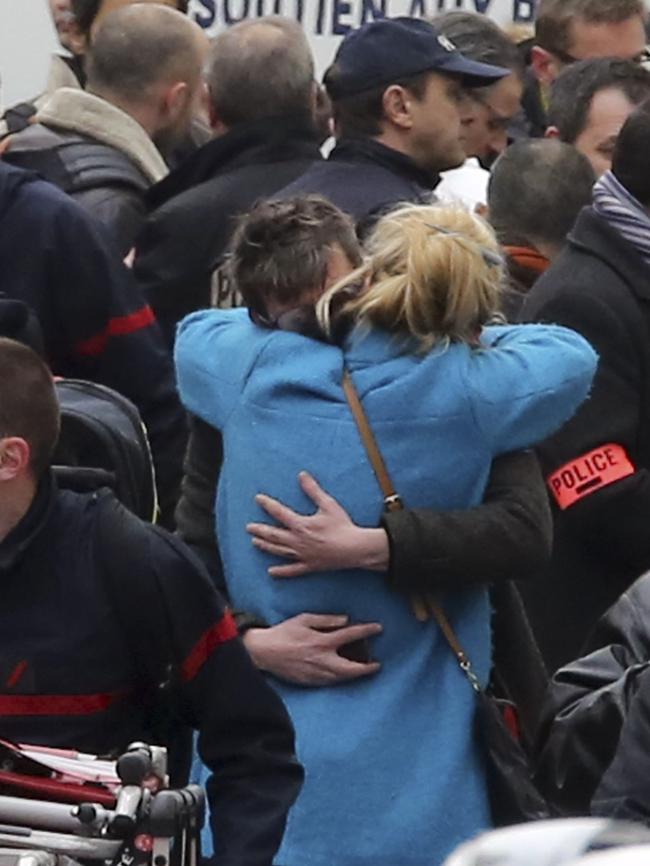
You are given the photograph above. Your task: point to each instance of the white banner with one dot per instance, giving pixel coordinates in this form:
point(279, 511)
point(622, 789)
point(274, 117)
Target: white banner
point(27, 36)
point(327, 21)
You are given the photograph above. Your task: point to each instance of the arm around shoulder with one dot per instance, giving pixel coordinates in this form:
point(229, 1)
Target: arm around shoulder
point(528, 380)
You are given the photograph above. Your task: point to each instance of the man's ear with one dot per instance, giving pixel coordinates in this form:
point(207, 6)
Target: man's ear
point(214, 118)
point(15, 455)
point(396, 103)
point(546, 68)
point(175, 99)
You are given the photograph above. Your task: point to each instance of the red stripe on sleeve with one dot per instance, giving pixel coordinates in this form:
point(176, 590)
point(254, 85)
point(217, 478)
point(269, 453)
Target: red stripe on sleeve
point(56, 705)
point(220, 633)
point(120, 326)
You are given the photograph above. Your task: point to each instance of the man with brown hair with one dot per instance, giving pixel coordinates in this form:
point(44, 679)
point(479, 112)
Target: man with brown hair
point(571, 30)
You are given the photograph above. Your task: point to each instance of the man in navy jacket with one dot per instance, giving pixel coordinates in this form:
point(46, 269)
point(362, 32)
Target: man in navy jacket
point(95, 324)
point(99, 609)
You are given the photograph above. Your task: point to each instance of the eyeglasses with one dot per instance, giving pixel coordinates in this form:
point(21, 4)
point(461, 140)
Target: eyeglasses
point(496, 122)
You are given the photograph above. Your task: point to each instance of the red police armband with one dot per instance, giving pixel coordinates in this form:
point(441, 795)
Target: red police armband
point(584, 475)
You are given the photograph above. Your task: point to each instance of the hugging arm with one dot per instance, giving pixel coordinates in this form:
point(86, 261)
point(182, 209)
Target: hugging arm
point(507, 537)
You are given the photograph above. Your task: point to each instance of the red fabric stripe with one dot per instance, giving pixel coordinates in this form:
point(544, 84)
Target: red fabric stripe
point(56, 705)
point(51, 789)
point(118, 327)
point(220, 633)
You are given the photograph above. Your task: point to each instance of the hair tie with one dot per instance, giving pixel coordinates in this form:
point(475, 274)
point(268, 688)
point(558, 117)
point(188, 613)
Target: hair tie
point(489, 256)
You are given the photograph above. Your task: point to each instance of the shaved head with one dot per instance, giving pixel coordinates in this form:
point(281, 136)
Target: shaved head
point(142, 45)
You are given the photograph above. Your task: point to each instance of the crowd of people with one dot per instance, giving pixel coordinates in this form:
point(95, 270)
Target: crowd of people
point(398, 402)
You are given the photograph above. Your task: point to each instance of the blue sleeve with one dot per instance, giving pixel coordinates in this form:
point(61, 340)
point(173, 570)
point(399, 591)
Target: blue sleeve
point(527, 381)
point(215, 352)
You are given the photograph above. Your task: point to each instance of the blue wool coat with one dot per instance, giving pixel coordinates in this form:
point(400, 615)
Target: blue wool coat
point(393, 773)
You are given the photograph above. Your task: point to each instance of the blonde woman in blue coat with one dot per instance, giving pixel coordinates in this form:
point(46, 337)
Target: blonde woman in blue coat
point(394, 774)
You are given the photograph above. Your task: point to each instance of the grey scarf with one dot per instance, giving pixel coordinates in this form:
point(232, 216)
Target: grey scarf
point(623, 213)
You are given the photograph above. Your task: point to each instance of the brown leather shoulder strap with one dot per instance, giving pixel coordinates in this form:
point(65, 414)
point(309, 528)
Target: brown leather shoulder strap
point(393, 502)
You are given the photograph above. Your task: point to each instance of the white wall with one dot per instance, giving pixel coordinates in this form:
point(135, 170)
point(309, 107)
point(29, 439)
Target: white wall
point(27, 39)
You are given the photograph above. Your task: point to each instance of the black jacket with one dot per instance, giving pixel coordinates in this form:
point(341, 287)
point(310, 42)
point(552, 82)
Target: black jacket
point(599, 286)
point(95, 324)
point(72, 677)
point(103, 179)
point(196, 208)
point(365, 179)
point(595, 725)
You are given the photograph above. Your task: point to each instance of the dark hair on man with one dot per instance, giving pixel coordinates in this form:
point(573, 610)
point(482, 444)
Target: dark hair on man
point(630, 161)
point(362, 113)
point(85, 12)
point(139, 46)
point(260, 68)
point(281, 249)
point(480, 39)
point(536, 191)
point(554, 19)
point(29, 407)
point(575, 88)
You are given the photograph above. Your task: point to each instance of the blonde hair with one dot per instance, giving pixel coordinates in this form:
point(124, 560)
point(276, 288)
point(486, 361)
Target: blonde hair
point(431, 272)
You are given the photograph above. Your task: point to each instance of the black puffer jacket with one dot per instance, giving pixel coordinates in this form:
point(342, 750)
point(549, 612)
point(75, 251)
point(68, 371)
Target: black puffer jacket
point(105, 181)
point(597, 716)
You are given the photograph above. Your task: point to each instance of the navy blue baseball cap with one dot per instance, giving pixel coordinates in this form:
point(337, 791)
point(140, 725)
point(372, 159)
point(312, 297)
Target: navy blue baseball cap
point(394, 49)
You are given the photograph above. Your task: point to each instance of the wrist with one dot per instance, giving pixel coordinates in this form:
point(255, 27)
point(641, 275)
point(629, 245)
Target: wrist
point(373, 549)
point(254, 641)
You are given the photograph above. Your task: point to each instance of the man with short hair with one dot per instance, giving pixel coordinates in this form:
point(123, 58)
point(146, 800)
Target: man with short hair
point(591, 101)
point(537, 189)
point(260, 78)
point(598, 466)
point(397, 89)
point(105, 146)
point(72, 673)
point(570, 30)
point(489, 111)
point(74, 20)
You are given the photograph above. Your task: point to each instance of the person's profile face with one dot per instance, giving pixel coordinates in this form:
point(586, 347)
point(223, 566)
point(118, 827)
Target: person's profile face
point(436, 134)
point(488, 117)
point(63, 19)
point(609, 110)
